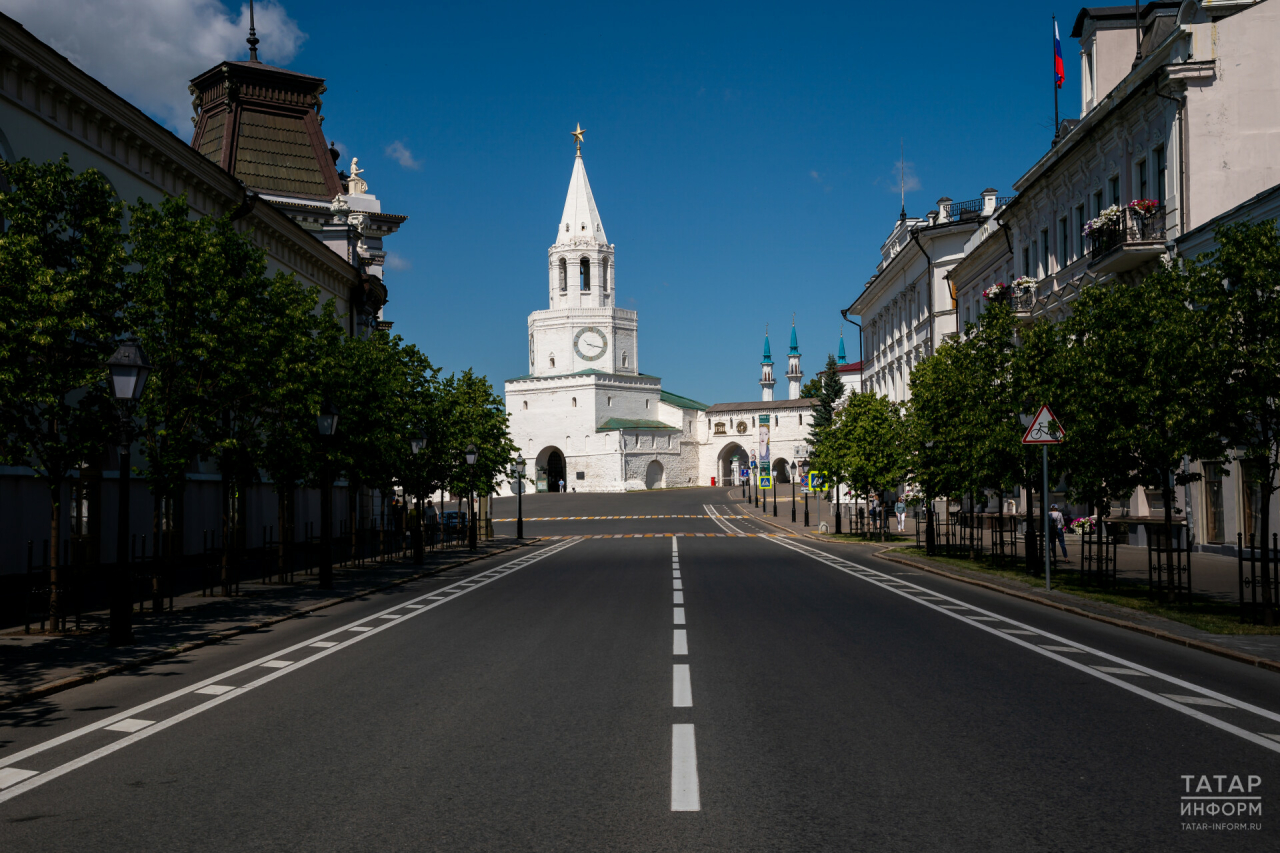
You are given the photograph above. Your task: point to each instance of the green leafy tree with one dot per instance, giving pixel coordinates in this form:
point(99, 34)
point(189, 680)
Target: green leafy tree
point(812, 389)
point(61, 301)
point(1238, 285)
point(866, 445)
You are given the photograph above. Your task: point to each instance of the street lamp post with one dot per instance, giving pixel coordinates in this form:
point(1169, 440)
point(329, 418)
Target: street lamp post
point(519, 496)
point(755, 481)
point(129, 370)
point(326, 427)
point(471, 496)
point(416, 445)
point(793, 492)
point(804, 472)
point(772, 482)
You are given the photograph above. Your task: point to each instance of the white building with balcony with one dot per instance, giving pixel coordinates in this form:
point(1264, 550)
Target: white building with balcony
point(908, 307)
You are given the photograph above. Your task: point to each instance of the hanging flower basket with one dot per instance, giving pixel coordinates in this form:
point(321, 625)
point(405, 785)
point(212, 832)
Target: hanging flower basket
point(1144, 206)
point(999, 290)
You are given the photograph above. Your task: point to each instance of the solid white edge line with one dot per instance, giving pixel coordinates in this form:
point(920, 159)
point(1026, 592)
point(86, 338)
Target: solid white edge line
point(1252, 737)
point(684, 769)
point(9, 793)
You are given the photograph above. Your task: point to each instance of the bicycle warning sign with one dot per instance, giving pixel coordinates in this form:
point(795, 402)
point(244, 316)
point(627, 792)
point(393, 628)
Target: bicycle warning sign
point(1044, 429)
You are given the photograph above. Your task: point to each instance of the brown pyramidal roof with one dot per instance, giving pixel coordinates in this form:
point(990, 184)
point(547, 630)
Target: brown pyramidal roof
point(262, 124)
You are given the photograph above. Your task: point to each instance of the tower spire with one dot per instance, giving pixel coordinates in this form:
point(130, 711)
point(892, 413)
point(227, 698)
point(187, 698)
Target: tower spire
point(253, 36)
point(766, 370)
point(841, 358)
point(794, 373)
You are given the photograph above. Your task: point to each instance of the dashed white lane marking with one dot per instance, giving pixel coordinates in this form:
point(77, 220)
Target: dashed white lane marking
point(679, 615)
point(12, 776)
point(216, 689)
point(360, 628)
point(1104, 673)
point(278, 664)
point(677, 584)
point(88, 758)
point(390, 616)
point(415, 606)
point(1068, 649)
point(1196, 700)
point(327, 645)
point(680, 642)
point(676, 573)
point(129, 726)
point(684, 769)
point(1273, 737)
point(681, 686)
point(677, 597)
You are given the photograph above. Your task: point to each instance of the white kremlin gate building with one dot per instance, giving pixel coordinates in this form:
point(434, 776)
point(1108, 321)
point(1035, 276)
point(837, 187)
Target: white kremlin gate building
point(585, 414)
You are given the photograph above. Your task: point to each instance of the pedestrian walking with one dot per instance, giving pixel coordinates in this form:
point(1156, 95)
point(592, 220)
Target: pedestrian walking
point(1059, 531)
point(900, 510)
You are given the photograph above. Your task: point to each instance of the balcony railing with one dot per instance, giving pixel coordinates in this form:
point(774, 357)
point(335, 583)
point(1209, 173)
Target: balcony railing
point(959, 210)
point(1132, 227)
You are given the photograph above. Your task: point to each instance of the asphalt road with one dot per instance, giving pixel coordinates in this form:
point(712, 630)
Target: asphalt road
point(655, 693)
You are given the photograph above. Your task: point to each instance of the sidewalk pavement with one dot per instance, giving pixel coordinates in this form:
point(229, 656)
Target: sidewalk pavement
point(1212, 575)
point(38, 664)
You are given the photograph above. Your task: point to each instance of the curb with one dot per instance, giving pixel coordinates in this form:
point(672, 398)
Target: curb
point(1167, 636)
point(70, 681)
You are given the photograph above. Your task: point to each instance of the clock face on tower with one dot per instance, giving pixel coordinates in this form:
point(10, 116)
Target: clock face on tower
point(590, 343)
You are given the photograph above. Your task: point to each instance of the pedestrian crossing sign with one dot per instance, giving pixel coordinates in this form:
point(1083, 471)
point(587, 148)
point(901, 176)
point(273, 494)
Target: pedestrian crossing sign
point(766, 481)
point(815, 482)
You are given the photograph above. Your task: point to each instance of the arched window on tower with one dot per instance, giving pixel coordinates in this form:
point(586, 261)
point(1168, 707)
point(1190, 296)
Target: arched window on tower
point(604, 275)
point(584, 275)
point(564, 276)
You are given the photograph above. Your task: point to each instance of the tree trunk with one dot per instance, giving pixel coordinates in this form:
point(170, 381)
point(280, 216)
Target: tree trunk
point(1268, 608)
point(157, 551)
point(1000, 510)
point(282, 511)
point(55, 538)
point(1032, 552)
point(225, 496)
point(1166, 491)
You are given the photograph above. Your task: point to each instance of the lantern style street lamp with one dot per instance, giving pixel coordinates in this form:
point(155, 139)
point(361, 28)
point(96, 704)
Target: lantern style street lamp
point(326, 428)
point(128, 368)
point(471, 456)
point(520, 467)
point(804, 472)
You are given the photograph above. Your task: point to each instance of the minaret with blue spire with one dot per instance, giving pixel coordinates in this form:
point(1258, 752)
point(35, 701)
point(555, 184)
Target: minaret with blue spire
point(794, 373)
point(840, 356)
point(766, 370)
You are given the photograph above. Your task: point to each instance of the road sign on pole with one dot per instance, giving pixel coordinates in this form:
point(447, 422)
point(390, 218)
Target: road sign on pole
point(1044, 429)
point(766, 480)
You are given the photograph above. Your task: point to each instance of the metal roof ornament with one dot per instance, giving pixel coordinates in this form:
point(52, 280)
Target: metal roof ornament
point(253, 36)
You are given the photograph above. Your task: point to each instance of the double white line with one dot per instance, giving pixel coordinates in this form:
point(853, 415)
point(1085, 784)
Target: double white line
point(21, 781)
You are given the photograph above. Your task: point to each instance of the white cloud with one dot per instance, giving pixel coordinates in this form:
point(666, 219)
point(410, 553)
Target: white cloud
point(397, 262)
point(147, 50)
point(402, 155)
point(904, 171)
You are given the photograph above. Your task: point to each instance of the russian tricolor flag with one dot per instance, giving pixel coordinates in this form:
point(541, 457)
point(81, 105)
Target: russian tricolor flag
point(1057, 57)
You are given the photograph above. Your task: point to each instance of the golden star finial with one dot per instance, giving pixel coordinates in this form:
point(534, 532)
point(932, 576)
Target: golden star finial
point(577, 135)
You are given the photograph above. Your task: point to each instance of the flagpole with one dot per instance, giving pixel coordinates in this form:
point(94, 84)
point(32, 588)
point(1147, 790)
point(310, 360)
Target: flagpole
point(1056, 123)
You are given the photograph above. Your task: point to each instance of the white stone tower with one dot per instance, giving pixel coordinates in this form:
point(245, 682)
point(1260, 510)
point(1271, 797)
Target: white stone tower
point(794, 373)
point(582, 329)
point(766, 371)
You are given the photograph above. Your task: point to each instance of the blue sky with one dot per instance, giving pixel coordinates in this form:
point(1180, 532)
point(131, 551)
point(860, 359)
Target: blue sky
point(743, 156)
